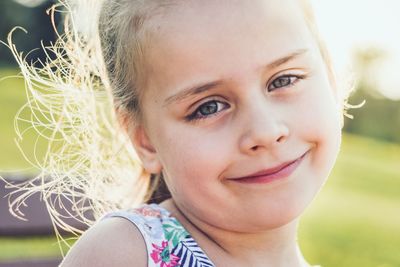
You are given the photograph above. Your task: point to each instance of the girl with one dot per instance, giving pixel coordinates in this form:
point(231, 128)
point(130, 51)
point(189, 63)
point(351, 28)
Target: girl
point(233, 106)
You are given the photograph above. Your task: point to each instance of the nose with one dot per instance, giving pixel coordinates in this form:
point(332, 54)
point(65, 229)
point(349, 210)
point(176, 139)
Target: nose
point(263, 129)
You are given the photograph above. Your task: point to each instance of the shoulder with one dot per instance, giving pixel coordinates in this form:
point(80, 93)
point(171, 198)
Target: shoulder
point(111, 242)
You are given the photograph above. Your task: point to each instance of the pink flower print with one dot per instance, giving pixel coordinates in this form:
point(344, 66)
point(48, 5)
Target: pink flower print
point(148, 211)
point(162, 255)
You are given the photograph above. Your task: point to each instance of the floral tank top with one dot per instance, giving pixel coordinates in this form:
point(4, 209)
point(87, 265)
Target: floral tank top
point(168, 243)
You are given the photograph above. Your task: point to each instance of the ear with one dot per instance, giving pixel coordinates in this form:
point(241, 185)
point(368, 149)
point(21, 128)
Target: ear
point(145, 149)
point(141, 142)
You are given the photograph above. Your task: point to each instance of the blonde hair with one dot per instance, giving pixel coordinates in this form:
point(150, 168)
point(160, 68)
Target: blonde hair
point(89, 160)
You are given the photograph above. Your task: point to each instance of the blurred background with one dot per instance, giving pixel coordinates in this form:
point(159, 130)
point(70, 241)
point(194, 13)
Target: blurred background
point(355, 220)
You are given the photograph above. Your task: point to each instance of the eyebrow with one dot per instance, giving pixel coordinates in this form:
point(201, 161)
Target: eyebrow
point(198, 89)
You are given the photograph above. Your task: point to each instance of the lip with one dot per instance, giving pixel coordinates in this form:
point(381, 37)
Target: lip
point(269, 175)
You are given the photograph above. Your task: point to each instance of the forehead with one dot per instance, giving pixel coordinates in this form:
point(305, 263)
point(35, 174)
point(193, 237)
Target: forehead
point(201, 40)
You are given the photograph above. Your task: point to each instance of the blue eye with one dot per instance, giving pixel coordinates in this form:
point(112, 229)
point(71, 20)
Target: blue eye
point(283, 81)
point(207, 109)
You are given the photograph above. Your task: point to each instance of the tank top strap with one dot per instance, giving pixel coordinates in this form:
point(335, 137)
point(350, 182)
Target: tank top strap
point(167, 241)
point(150, 228)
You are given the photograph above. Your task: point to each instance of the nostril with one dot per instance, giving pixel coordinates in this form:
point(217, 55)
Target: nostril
point(258, 139)
point(280, 139)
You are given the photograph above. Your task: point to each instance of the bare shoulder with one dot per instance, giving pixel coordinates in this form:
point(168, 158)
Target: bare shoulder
point(111, 242)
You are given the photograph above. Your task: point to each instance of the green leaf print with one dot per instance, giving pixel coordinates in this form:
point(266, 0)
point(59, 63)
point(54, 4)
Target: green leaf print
point(174, 231)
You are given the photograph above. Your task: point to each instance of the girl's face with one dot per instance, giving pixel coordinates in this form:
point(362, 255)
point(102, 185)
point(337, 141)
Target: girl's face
point(234, 88)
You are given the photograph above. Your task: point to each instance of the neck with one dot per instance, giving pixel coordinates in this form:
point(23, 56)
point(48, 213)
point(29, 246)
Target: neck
point(274, 247)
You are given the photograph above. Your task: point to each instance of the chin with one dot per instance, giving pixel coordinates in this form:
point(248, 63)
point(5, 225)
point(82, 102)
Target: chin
point(294, 205)
point(272, 217)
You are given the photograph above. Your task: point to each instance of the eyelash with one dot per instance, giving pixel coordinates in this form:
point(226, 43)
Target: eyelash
point(196, 117)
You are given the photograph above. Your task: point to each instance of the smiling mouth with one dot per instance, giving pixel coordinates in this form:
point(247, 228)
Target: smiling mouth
point(269, 175)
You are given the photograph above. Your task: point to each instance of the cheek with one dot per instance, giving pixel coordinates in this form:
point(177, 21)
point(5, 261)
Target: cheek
point(192, 159)
point(192, 170)
point(320, 118)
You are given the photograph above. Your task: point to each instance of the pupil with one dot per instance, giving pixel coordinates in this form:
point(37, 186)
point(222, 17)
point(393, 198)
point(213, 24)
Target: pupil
point(282, 81)
point(208, 108)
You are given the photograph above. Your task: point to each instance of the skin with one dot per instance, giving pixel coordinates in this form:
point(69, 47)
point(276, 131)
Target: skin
point(258, 124)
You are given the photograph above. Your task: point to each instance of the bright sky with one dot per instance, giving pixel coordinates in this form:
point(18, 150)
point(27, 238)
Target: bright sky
point(356, 24)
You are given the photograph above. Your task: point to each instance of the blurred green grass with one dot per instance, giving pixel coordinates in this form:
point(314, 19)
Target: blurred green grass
point(12, 98)
point(354, 221)
point(30, 248)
